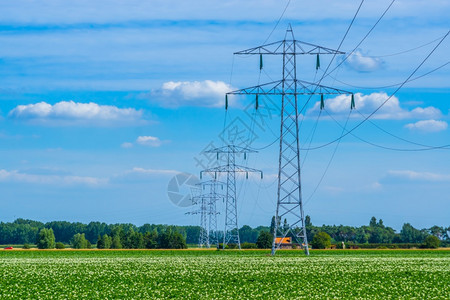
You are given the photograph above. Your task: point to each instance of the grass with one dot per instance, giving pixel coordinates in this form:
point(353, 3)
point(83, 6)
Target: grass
point(212, 274)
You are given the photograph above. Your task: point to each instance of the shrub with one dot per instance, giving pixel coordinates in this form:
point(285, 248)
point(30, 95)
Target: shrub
point(265, 240)
point(248, 246)
point(26, 246)
point(321, 240)
point(59, 245)
point(231, 246)
point(431, 242)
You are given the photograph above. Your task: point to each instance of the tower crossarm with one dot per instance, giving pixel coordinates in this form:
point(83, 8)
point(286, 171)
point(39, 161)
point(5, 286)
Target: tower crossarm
point(211, 183)
point(230, 149)
point(277, 88)
point(276, 48)
point(227, 169)
point(210, 196)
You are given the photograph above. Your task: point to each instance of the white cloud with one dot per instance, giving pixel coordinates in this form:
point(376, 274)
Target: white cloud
point(73, 113)
point(191, 93)
point(145, 140)
point(408, 175)
point(151, 141)
point(126, 145)
point(428, 126)
point(139, 175)
point(366, 104)
point(137, 170)
point(21, 177)
point(361, 63)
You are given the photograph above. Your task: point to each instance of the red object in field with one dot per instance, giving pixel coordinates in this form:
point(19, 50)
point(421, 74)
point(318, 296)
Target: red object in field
point(8, 248)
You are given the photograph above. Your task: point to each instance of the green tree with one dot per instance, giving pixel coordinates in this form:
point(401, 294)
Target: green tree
point(321, 240)
point(361, 236)
point(104, 242)
point(79, 241)
point(437, 231)
point(265, 240)
point(135, 240)
point(285, 226)
point(431, 242)
point(248, 234)
point(46, 239)
point(171, 240)
point(100, 244)
point(272, 224)
point(373, 222)
point(409, 234)
point(308, 221)
point(151, 239)
point(116, 243)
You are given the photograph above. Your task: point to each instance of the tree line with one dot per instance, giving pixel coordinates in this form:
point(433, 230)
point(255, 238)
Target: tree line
point(378, 233)
point(22, 231)
point(117, 240)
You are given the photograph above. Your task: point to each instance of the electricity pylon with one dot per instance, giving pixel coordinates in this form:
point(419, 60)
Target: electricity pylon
point(206, 200)
point(231, 232)
point(212, 197)
point(198, 200)
point(289, 195)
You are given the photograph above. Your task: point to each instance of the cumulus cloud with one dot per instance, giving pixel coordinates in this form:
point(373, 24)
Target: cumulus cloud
point(408, 175)
point(366, 104)
point(191, 93)
point(361, 63)
point(145, 140)
point(73, 113)
point(151, 141)
point(428, 126)
point(53, 179)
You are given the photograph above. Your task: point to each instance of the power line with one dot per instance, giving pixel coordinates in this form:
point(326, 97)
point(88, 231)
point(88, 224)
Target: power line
point(278, 22)
point(330, 161)
point(329, 64)
point(426, 147)
point(405, 140)
point(363, 39)
point(382, 104)
point(406, 51)
point(392, 85)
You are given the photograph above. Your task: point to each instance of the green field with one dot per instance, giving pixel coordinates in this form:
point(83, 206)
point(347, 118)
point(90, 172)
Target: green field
point(194, 274)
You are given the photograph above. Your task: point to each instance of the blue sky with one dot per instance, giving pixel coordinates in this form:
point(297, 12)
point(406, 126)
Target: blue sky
point(103, 103)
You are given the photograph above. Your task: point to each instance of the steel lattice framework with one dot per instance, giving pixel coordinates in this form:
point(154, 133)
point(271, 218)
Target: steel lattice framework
point(206, 196)
point(289, 195)
point(231, 231)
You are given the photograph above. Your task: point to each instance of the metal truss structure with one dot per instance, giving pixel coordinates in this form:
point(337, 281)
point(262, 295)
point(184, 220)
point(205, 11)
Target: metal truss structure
point(206, 197)
point(289, 89)
point(231, 232)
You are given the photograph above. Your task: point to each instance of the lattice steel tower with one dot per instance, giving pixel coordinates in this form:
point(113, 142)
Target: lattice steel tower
point(231, 232)
point(206, 196)
point(289, 89)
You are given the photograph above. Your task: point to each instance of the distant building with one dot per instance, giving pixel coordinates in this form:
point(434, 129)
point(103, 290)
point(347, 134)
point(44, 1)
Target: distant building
point(285, 243)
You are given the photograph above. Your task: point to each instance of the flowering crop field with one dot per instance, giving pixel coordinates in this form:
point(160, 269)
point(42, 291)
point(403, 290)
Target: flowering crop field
point(203, 274)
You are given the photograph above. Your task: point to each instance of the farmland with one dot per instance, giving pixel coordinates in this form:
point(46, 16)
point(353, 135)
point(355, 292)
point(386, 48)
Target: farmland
point(375, 274)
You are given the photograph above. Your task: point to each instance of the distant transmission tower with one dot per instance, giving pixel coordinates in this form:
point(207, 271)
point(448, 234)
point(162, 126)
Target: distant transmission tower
point(231, 232)
point(289, 196)
point(206, 200)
